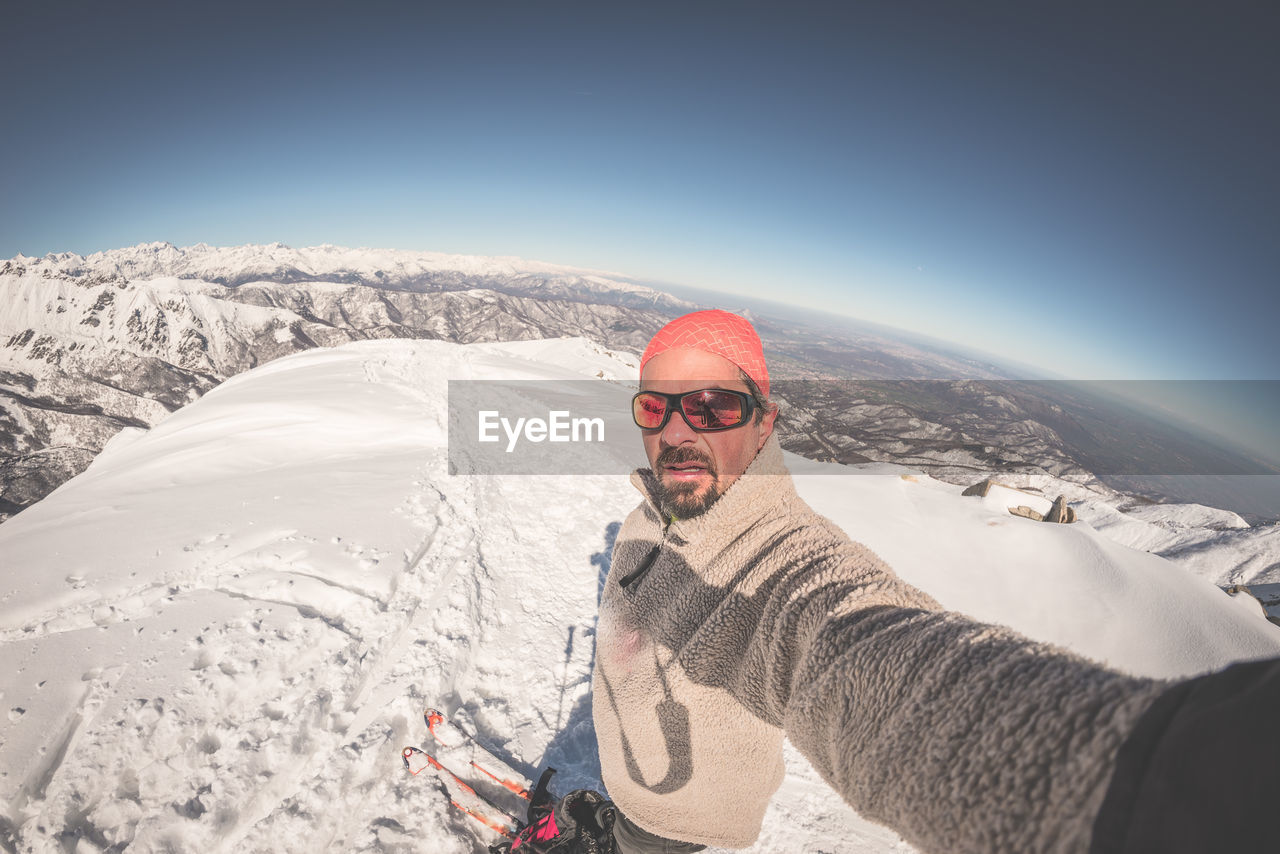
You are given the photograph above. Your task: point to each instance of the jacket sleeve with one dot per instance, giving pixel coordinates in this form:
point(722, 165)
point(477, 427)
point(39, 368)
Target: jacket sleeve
point(1200, 772)
point(961, 736)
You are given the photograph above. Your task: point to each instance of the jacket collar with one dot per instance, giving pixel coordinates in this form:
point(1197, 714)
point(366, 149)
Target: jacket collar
point(765, 483)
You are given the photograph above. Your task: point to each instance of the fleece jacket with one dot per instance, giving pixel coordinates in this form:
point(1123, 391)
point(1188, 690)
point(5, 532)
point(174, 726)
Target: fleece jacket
point(719, 634)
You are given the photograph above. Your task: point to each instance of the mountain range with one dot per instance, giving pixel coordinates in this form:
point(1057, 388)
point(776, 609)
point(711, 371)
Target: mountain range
point(92, 344)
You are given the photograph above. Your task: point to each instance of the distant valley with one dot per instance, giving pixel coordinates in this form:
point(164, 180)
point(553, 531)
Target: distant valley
point(92, 344)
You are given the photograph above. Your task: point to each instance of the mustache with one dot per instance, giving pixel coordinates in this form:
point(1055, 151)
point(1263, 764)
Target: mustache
point(680, 454)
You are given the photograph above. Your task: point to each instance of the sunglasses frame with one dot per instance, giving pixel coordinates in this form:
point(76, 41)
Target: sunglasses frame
point(675, 403)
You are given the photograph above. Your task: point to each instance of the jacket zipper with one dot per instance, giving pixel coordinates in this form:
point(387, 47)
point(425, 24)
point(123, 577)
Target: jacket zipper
point(639, 571)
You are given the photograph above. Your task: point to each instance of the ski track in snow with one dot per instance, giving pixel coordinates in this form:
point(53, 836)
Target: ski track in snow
point(364, 765)
point(243, 676)
point(321, 733)
point(282, 730)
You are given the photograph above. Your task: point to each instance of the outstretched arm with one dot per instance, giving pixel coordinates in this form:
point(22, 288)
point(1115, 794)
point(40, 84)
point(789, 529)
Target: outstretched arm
point(962, 736)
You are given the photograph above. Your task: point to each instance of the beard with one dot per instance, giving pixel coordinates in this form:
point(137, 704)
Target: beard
point(681, 499)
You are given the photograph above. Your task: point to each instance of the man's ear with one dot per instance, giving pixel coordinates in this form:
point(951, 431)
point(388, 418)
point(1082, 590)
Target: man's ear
point(766, 425)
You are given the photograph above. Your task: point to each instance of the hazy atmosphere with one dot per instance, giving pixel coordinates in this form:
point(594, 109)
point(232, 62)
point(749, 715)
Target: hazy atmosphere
point(1088, 190)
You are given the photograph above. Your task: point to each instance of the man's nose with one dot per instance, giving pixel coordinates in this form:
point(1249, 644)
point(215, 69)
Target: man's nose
point(678, 431)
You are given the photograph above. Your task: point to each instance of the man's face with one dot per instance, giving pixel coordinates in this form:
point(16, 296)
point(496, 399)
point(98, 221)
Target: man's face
point(694, 469)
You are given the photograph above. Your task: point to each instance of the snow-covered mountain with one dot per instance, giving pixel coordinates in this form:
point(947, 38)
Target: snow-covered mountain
point(379, 268)
point(221, 634)
point(92, 344)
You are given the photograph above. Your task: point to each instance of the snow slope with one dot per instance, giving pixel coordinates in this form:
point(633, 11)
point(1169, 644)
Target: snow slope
point(220, 635)
point(1213, 544)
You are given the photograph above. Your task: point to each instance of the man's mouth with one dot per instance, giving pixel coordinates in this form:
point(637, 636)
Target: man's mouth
point(684, 466)
point(685, 471)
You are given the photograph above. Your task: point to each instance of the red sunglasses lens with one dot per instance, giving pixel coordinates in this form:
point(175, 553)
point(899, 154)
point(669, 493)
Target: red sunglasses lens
point(649, 410)
point(713, 410)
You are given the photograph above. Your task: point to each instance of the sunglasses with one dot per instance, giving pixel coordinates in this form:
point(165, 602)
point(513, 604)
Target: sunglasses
point(706, 410)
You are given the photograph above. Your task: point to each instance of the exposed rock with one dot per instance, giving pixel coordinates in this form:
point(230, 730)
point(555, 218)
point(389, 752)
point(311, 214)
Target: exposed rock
point(1240, 591)
point(981, 488)
point(1060, 511)
point(1026, 512)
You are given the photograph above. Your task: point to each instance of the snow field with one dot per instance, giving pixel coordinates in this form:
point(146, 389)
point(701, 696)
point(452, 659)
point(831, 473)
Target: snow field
point(1066, 584)
point(221, 635)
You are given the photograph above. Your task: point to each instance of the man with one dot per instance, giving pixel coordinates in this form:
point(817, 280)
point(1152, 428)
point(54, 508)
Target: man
point(733, 614)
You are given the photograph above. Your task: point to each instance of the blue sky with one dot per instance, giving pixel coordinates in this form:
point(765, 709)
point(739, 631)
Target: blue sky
point(1087, 187)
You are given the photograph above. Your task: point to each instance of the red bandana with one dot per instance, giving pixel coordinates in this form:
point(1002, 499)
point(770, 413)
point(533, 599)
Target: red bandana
point(717, 332)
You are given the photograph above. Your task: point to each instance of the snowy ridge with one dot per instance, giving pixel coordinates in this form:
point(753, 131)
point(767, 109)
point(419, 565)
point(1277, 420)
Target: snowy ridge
point(1221, 551)
point(387, 268)
point(89, 345)
point(1216, 545)
point(221, 634)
